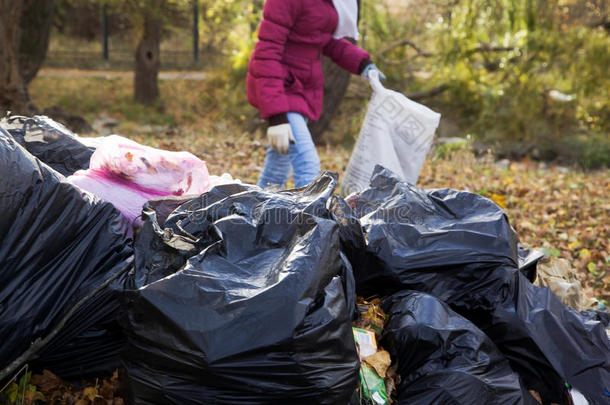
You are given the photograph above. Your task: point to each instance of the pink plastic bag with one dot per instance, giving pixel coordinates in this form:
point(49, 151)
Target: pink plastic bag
point(128, 174)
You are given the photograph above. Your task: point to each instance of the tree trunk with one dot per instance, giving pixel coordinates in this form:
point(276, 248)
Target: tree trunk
point(36, 22)
point(13, 91)
point(335, 85)
point(25, 26)
point(146, 87)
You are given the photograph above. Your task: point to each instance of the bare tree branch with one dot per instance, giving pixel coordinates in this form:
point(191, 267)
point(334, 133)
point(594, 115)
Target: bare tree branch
point(490, 48)
point(397, 44)
point(435, 91)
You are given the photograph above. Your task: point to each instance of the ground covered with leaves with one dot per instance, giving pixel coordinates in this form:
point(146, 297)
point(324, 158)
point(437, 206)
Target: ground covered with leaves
point(47, 388)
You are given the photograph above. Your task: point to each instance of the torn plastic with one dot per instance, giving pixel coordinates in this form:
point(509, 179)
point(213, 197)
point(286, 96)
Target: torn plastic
point(128, 174)
point(241, 296)
point(62, 255)
point(528, 262)
point(445, 359)
point(460, 248)
point(49, 141)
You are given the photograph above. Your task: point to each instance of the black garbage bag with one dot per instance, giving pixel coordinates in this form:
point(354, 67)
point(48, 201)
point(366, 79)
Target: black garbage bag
point(443, 358)
point(92, 354)
point(62, 256)
point(241, 296)
point(528, 262)
point(460, 248)
point(595, 315)
point(51, 142)
point(92, 348)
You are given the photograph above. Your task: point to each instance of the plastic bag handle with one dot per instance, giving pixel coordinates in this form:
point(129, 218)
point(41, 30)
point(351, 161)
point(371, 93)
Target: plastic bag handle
point(375, 82)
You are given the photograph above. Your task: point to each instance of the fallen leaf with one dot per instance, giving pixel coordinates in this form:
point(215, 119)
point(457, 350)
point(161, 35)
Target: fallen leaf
point(499, 199)
point(392, 380)
point(536, 396)
point(574, 245)
point(90, 393)
point(107, 390)
point(99, 400)
point(380, 361)
point(47, 381)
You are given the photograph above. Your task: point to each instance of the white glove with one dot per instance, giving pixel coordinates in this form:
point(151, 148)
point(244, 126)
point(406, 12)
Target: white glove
point(280, 137)
point(369, 68)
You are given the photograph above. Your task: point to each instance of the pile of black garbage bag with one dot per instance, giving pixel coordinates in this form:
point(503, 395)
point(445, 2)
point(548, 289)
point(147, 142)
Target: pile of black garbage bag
point(246, 296)
point(63, 258)
point(443, 358)
point(242, 296)
point(222, 300)
point(459, 247)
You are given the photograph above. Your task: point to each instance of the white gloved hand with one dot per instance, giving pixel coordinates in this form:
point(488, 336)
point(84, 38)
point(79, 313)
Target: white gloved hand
point(280, 137)
point(369, 68)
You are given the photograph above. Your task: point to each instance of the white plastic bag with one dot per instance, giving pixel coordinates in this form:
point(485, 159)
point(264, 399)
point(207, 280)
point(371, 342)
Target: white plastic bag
point(396, 133)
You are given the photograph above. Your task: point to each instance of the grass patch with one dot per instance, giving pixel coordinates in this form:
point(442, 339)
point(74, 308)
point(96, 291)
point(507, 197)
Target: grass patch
point(592, 151)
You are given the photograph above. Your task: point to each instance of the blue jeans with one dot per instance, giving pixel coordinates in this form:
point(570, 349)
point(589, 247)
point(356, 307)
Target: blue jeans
point(302, 156)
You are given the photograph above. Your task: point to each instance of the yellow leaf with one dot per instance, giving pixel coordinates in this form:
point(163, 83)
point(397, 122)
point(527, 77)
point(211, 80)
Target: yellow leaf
point(90, 393)
point(499, 199)
point(584, 253)
point(380, 361)
point(574, 245)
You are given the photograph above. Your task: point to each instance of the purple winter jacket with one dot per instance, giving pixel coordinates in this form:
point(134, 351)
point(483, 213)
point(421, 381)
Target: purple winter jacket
point(285, 69)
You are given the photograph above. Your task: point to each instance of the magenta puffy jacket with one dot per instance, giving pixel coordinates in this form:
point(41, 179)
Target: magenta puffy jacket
point(285, 69)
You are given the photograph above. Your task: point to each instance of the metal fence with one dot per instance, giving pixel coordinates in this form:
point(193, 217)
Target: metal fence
point(121, 60)
point(119, 56)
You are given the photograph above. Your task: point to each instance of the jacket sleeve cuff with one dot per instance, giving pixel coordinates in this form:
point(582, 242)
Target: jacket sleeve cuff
point(278, 119)
point(364, 64)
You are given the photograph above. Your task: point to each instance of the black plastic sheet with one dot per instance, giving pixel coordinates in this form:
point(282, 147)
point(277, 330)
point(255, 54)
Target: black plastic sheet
point(528, 262)
point(460, 248)
point(51, 142)
point(61, 252)
point(92, 354)
point(241, 296)
point(443, 359)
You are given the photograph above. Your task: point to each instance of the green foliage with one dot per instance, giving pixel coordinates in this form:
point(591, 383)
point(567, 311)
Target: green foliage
point(20, 393)
point(445, 150)
point(229, 27)
point(527, 77)
point(90, 97)
point(522, 75)
point(552, 252)
point(591, 150)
